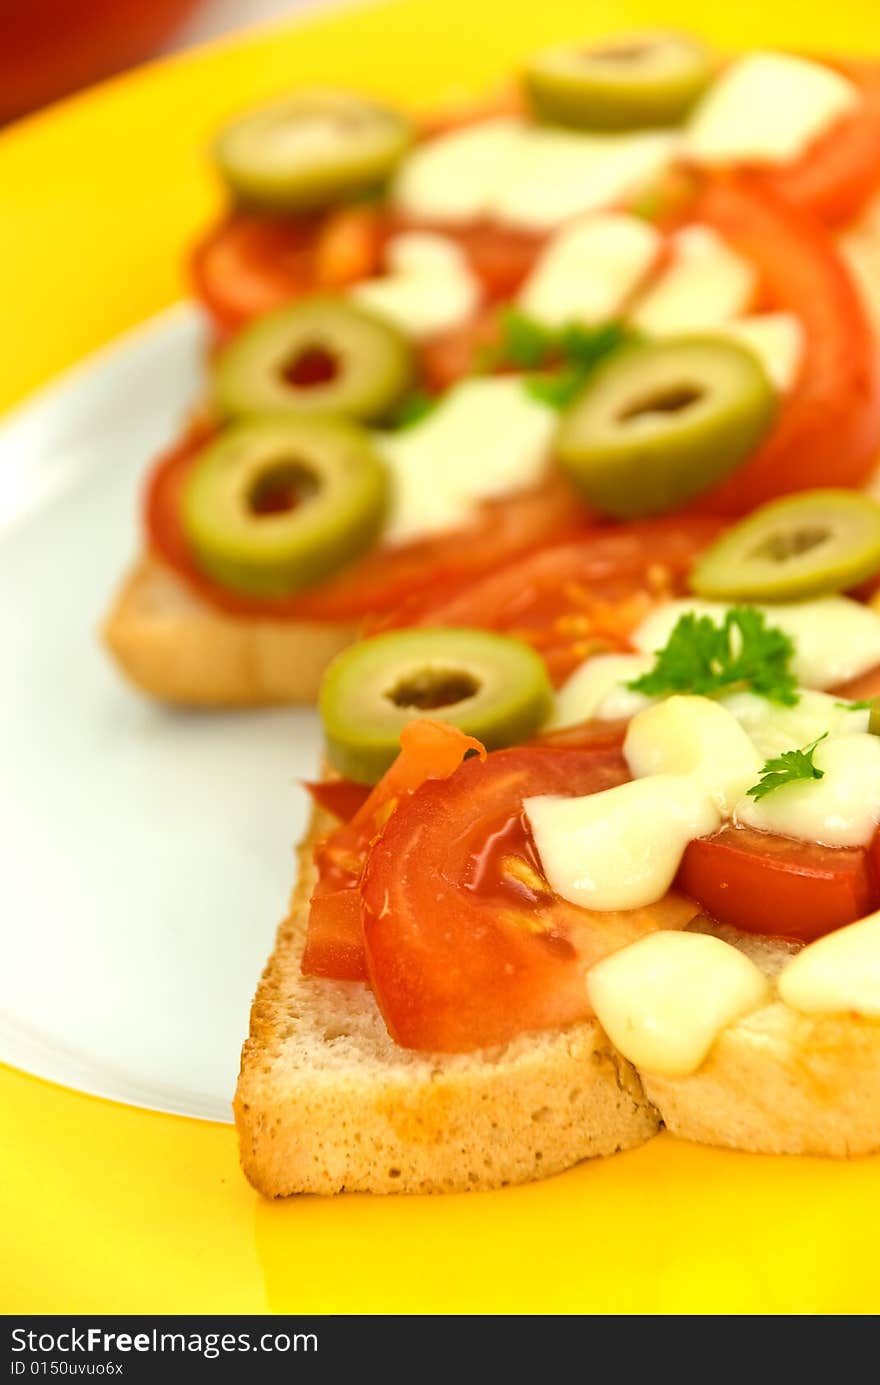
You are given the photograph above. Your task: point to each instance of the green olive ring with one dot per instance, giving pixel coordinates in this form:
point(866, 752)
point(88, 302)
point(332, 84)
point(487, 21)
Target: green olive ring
point(490, 686)
point(318, 356)
point(799, 546)
point(635, 81)
point(311, 150)
point(275, 504)
point(660, 422)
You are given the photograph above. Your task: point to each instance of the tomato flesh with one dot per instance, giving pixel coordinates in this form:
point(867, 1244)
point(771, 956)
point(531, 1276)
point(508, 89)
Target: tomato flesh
point(466, 943)
point(579, 598)
point(763, 883)
point(828, 430)
point(385, 578)
point(334, 941)
point(341, 798)
point(840, 172)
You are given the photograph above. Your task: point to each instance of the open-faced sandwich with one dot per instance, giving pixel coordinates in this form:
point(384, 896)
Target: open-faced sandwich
point(553, 921)
point(442, 345)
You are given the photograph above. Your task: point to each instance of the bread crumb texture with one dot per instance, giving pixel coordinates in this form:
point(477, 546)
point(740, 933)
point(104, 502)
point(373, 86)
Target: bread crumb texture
point(174, 646)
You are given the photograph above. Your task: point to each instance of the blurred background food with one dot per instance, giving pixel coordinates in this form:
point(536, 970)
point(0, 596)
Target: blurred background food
point(50, 48)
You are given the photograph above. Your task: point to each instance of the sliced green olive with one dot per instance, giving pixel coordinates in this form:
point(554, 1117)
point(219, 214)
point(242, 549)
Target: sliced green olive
point(491, 686)
point(626, 83)
point(276, 504)
point(321, 356)
point(802, 545)
point(660, 422)
point(311, 150)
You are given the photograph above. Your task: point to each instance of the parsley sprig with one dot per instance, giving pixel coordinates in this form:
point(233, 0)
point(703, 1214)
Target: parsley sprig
point(412, 409)
point(791, 767)
point(561, 360)
point(707, 658)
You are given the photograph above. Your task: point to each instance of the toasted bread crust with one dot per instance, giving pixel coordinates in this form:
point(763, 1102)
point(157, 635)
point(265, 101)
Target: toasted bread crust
point(777, 1082)
point(327, 1103)
point(177, 648)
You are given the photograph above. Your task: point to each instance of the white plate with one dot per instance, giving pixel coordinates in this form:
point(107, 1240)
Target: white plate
point(145, 854)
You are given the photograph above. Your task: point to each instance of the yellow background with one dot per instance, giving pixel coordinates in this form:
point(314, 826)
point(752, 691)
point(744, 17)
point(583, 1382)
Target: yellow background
point(109, 1209)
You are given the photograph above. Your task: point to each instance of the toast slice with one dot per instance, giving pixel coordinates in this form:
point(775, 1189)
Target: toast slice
point(176, 647)
point(328, 1103)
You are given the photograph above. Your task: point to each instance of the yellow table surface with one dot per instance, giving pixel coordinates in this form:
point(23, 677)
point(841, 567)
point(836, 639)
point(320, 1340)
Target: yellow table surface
point(110, 1209)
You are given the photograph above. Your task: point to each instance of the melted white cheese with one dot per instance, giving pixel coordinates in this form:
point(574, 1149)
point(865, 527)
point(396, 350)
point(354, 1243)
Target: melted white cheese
point(773, 729)
point(705, 284)
point(664, 1000)
point(840, 809)
point(487, 438)
point(777, 339)
point(428, 288)
point(837, 974)
point(598, 689)
point(563, 173)
point(835, 638)
point(590, 269)
point(458, 176)
point(767, 108)
point(530, 175)
point(697, 737)
point(620, 849)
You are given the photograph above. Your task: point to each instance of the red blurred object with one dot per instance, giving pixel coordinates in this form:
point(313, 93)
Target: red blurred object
point(49, 48)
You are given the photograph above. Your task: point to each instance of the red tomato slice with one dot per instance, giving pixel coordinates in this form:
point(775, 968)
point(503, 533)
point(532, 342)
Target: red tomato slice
point(594, 734)
point(837, 176)
point(828, 430)
point(764, 883)
point(341, 798)
point(251, 264)
point(466, 943)
point(334, 943)
point(860, 689)
point(385, 578)
point(578, 598)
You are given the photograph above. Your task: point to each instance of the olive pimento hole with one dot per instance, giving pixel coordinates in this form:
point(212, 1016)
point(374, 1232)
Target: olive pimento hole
point(430, 688)
point(790, 543)
point(313, 365)
point(281, 489)
point(671, 401)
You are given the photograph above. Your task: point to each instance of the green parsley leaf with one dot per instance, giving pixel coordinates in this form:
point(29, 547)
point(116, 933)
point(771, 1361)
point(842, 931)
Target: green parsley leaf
point(703, 657)
point(556, 388)
point(587, 346)
point(413, 409)
point(865, 705)
point(525, 342)
point(791, 767)
point(564, 358)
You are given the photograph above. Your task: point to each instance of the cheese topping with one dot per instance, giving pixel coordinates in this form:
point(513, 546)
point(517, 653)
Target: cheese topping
point(563, 173)
point(773, 729)
point(777, 339)
point(590, 269)
point(840, 809)
point(530, 175)
point(664, 1000)
point(767, 108)
point(428, 288)
point(597, 689)
point(621, 848)
point(707, 283)
point(697, 737)
point(835, 638)
point(486, 438)
point(457, 176)
point(837, 974)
